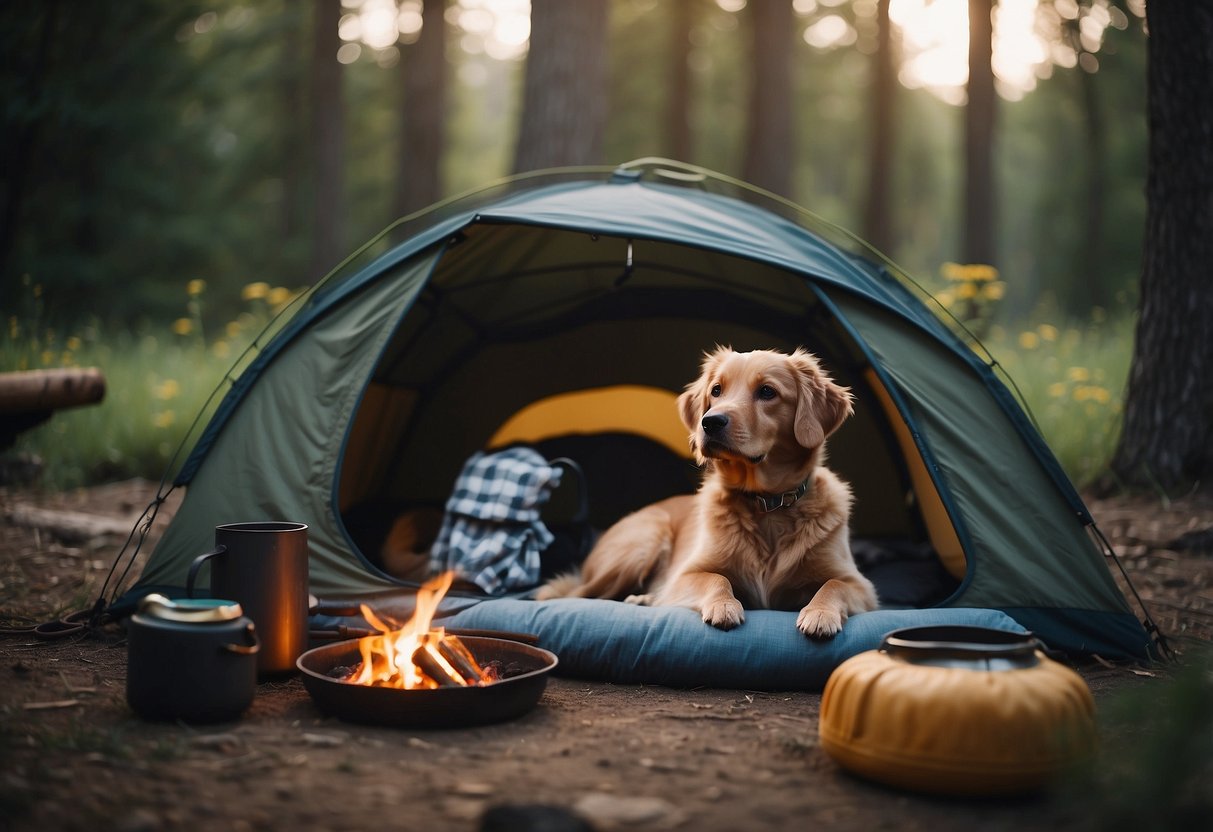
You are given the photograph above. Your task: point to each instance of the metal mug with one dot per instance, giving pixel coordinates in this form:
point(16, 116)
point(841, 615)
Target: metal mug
point(263, 567)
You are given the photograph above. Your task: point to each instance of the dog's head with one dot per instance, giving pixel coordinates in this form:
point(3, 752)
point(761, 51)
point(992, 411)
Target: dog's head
point(762, 410)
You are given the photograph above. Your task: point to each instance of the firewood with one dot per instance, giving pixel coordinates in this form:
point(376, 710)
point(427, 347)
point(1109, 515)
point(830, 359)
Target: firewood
point(461, 659)
point(433, 668)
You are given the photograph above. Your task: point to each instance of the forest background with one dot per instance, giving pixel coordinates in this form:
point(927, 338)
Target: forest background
point(176, 171)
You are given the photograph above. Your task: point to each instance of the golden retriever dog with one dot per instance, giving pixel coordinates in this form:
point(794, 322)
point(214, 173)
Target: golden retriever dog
point(768, 526)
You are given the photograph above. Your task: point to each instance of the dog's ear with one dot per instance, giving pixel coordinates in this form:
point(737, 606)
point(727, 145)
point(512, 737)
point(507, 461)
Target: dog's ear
point(690, 405)
point(822, 406)
point(693, 402)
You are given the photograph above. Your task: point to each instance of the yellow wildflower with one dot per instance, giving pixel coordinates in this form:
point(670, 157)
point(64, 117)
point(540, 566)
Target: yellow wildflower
point(255, 291)
point(168, 389)
point(994, 290)
point(183, 326)
point(195, 287)
point(946, 299)
point(1092, 393)
point(279, 295)
point(966, 291)
point(73, 343)
point(1057, 389)
point(952, 271)
point(233, 328)
point(1048, 332)
point(1078, 374)
point(981, 272)
point(1029, 340)
point(221, 349)
point(164, 419)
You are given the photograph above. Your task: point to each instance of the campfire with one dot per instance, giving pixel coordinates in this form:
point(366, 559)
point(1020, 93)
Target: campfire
point(418, 675)
point(416, 655)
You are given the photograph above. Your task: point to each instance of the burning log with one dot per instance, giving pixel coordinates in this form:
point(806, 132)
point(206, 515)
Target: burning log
point(461, 658)
point(446, 666)
point(417, 656)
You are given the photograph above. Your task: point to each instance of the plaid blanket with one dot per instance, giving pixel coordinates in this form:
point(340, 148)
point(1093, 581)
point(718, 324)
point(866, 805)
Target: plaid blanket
point(491, 532)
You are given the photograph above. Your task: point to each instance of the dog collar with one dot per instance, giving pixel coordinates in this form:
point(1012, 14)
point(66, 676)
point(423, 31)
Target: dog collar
point(771, 502)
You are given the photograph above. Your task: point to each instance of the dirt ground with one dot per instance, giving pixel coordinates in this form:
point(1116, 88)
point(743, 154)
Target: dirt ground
point(599, 756)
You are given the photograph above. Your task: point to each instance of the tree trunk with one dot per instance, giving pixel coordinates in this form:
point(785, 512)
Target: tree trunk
point(678, 105)
point(770, 150)
point(293, 125)
point(978, 245)
point(1167, 437)
point(564, 92)
point(423, 113)
point(328, 135)
point(1089, 266)
point(878, 215)
point(23, 136)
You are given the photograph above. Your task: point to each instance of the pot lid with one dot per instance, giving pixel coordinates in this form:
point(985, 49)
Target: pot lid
point(189, 610)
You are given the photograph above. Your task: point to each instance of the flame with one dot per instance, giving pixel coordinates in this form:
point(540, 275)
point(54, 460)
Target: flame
point(416, 656)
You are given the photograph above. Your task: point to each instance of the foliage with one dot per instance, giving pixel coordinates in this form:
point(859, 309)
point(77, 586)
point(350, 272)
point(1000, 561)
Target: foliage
point(1069, 374)
point(1154, 773)
point(1072, 379)
point(158, 380)
point(162, 141)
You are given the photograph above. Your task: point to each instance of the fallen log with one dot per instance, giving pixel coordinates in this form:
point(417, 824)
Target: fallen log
point(33, 391)
point(68, 526)
point(30, 397)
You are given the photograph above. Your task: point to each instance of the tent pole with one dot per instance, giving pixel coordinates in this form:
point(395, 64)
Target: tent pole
point(1148, 623)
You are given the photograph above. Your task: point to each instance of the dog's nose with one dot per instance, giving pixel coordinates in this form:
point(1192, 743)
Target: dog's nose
point(714, 423)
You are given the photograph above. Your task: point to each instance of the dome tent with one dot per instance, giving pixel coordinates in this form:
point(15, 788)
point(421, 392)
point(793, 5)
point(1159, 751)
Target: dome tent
point(573, 307)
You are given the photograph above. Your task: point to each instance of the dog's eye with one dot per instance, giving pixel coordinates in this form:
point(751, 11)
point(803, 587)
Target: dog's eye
point(715, 391)
point(766, 392)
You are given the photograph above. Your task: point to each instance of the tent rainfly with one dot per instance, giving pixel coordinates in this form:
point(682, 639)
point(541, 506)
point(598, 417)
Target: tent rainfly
point(568, 310)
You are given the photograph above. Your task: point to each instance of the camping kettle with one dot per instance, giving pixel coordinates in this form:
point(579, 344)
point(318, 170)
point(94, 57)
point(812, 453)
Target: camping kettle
point(192, 660)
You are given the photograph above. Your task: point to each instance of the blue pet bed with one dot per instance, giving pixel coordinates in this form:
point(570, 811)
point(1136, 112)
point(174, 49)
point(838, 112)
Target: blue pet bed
point(616, 642)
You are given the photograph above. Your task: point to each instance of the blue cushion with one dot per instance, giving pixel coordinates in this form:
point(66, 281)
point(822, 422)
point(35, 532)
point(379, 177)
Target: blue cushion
point(617, 642)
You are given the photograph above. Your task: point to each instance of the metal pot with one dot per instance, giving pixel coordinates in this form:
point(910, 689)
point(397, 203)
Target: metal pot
point(191, 660)
point(525, 671)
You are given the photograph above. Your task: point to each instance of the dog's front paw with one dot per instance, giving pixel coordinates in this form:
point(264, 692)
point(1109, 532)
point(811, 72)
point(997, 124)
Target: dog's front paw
point(645, 600)
point(819, 623)
point(724, 615)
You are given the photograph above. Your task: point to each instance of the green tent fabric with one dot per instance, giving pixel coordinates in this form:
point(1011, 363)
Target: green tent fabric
point(395, 369)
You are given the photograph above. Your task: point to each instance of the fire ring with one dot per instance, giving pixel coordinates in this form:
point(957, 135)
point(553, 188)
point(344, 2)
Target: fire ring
point(524, 672)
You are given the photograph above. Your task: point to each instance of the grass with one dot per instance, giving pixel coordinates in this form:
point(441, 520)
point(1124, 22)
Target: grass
point(1071, 377)
point(157, 381)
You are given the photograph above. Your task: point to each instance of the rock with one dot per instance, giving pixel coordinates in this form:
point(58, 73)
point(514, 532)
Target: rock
point(532, 817)
point(612, 811)
point(324, 740)
point(140, 820)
